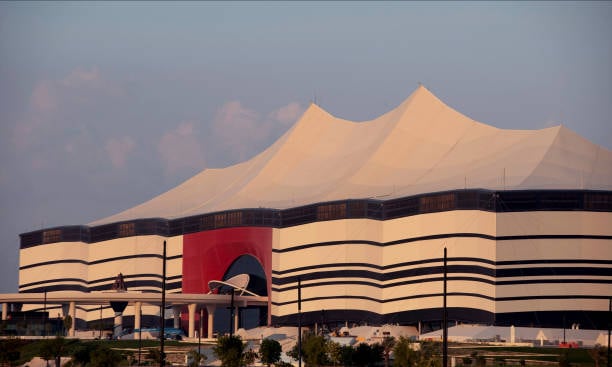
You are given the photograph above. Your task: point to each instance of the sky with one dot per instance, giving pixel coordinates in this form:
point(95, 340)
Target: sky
point(104, 105)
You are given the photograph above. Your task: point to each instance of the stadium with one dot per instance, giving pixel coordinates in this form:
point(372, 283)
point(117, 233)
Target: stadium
point(359, 213)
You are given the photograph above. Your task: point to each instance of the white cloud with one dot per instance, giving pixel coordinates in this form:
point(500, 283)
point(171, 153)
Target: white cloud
point(287, 114)
point(52, 100)
point(118, 149)
point(180, 149)
point(60, 111)
point(244, 132)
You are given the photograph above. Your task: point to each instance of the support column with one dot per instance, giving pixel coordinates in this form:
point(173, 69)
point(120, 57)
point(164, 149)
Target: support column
point(137, 315)
point(210, 309)
point(72, 313)
point(4, 311)
point(118, 324)
point(192, 309)
point(176, 312)
point(236, 318)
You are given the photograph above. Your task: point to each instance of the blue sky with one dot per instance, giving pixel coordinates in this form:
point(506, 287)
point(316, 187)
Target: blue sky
point(104, 105)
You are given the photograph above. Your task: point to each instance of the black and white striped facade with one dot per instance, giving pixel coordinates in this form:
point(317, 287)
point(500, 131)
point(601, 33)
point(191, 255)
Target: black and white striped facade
point(514, 257)
point(360, 213)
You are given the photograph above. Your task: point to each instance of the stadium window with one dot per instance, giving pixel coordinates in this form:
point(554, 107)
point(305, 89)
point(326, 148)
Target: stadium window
point(207, 222)
point(127, 229)
point(331, 211)
point(228, 219)
point(598, 200)
point(437, 202)
point(52, 235)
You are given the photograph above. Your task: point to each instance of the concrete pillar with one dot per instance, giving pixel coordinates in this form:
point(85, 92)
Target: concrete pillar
point(191, 308)
point(236, 318)
point(4, 311)
point(176, 312)
point(210, 309)
point(72, 313)
point(137, 316)
point(118, 324)
point(512, 334)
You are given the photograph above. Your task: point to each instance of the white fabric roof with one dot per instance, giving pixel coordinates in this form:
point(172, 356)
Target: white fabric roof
point(421, 146)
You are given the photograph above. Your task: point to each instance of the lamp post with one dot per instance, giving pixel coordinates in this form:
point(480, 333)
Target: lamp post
point(162, 316)
point(444, 320)
point(232, 314)
point(45, 315)
point(299, 322)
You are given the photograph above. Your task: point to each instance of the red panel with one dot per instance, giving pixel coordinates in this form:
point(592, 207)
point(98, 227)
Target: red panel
point(207, 255)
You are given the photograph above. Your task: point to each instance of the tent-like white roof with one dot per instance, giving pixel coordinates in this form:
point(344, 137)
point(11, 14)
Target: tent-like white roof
point(421, 146)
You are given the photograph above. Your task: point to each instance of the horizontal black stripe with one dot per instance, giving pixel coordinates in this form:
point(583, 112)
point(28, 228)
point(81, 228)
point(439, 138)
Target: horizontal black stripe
point(439, 279)
point(102, 261)
point(63, 261)
point(382, 301)
point(80, 288)
point(435, 270)
point(555, 261)
point(110, 279)
point(449, 294)
point(437, 237)
point(385, 267)
point(585, 262)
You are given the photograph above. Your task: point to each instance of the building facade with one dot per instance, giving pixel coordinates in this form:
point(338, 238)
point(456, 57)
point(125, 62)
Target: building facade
point(360, 214)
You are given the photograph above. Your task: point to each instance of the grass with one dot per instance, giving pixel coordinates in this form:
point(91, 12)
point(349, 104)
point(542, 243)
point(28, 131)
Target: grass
point(576, 356)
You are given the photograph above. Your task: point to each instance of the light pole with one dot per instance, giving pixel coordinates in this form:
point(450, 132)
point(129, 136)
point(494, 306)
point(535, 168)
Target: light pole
point(162, 316)
point(444, 320)
point(232, 314)
point(299, 322)
point(45, 315)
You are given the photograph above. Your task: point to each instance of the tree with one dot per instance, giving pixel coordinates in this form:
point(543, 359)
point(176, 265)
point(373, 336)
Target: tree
point(195, 358)
point(314, 350)
point(229, 350)
point(53, 349)
point(10, 350)
point(388, 343)
point(346, 355)
point(404, 354)
point(81, 355)
point(105, 357)
point(334, 352)
point(599, 355)
point(249, 357)
point(564, 359)
point(269, 351)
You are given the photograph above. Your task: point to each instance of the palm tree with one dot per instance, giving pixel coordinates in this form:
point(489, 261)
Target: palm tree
point(230, 350)
point(270, 351)
point(388, 343)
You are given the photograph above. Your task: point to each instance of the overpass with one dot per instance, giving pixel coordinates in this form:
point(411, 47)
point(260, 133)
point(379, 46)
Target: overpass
point(136, 300)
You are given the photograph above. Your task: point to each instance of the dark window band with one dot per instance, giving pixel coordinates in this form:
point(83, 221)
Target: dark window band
point(473, 199)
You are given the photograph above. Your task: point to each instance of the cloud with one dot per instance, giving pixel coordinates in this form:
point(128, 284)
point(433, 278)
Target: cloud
point(44, 98)
point(287, 114)
point(53, 105)
point(118, 150)
point(244, 132)
point(180, 149)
